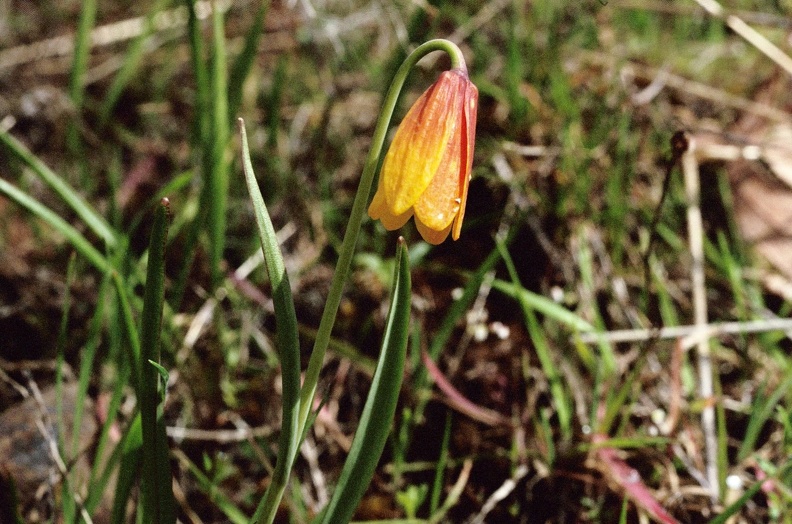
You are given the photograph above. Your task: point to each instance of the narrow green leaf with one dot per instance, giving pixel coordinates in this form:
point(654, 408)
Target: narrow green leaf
point(288, 343)
point(92, 219)
point(217, 176)
point(544, 305)
point(158, 506)
point(75, 238)
point(101, 472)
point(562, 401)
point(737, 505)
point(163, 373)
point(128, 470)
point(200, 71)
point(132, 60)
point(763, 408)
point(244, 62)
point(201, 131)
point(87, 362)
point(213, 493)
point(82, 46)
point(377, 417)
point(68, 508)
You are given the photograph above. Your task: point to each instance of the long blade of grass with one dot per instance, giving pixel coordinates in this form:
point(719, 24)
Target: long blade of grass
point(543, 305)
point(244, 61)
point(199, 70)
point(87, 362)
point(376, 420)
point(442, 461)
point(212, 492)
point(75, 238)
point(132, 60)
point(157, 496)
point(201, 131)
point(737, 505)
point(99, 480)
point(101, 473)
point(218, 143)
point(763, 409)
point(447, 326)
point(563, 404)
point(68, 508)
point(92, 219)
point(288, 343)
point(128, 470)
point(82, 41)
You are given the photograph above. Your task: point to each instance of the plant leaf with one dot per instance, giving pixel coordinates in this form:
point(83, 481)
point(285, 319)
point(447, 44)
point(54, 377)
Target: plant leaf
point(375, 422)
point(288, 343)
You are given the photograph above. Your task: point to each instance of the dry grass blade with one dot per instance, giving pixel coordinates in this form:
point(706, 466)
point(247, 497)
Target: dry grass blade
point(696, 241)
point(749, 34)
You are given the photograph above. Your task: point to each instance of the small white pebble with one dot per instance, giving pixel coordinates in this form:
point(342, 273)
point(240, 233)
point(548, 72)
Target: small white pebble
point(480, 332)
point(734, 482)
point(557, 294)
point(500, 330)
point(457, 293)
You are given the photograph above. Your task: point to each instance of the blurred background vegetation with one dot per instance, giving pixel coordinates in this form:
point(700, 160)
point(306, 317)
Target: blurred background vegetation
point(116, 104)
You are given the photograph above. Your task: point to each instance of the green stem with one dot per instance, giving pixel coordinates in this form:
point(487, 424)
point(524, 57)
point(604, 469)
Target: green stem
point(356, 218)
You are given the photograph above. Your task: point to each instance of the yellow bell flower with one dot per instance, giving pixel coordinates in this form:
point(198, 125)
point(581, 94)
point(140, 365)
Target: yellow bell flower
point(427, 168)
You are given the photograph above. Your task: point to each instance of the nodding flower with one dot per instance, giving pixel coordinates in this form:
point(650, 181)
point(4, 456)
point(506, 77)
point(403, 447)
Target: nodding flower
point(427, 168)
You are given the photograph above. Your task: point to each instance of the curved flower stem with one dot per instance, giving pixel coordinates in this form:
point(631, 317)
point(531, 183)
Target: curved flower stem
point(356, 218)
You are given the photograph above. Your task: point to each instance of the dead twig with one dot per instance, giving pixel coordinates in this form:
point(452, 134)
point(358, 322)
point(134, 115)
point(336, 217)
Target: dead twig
point(692, 332)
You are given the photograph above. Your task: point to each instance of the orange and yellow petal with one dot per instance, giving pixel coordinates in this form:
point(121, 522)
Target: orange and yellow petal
point(379, 210)
point(440, 203)
point(432, 236)
point(470, 110)
point(421, 140)
point(444, 200)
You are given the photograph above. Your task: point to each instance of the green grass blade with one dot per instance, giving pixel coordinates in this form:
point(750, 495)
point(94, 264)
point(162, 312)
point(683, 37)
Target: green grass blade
point(288, 343)
point(132, 60)
point(460, 306)
point(82, 43)
point(93, 220)
point(377, 417)
point(217, 497)
point(87, 362)
point(563, 404)
point(244, 62)
point(607, 358)
point(544, 306)
point(218, 144)
point(99, 480)
point(129, 327)
point(75, 238)
point(157, 496)
point(200, 71)
point(201, 131)
point(68, 508)
point(128, 470)
point(442, 462)
point(447, 326)
point(102, 471)
point(762, 411)
point(737, 505)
